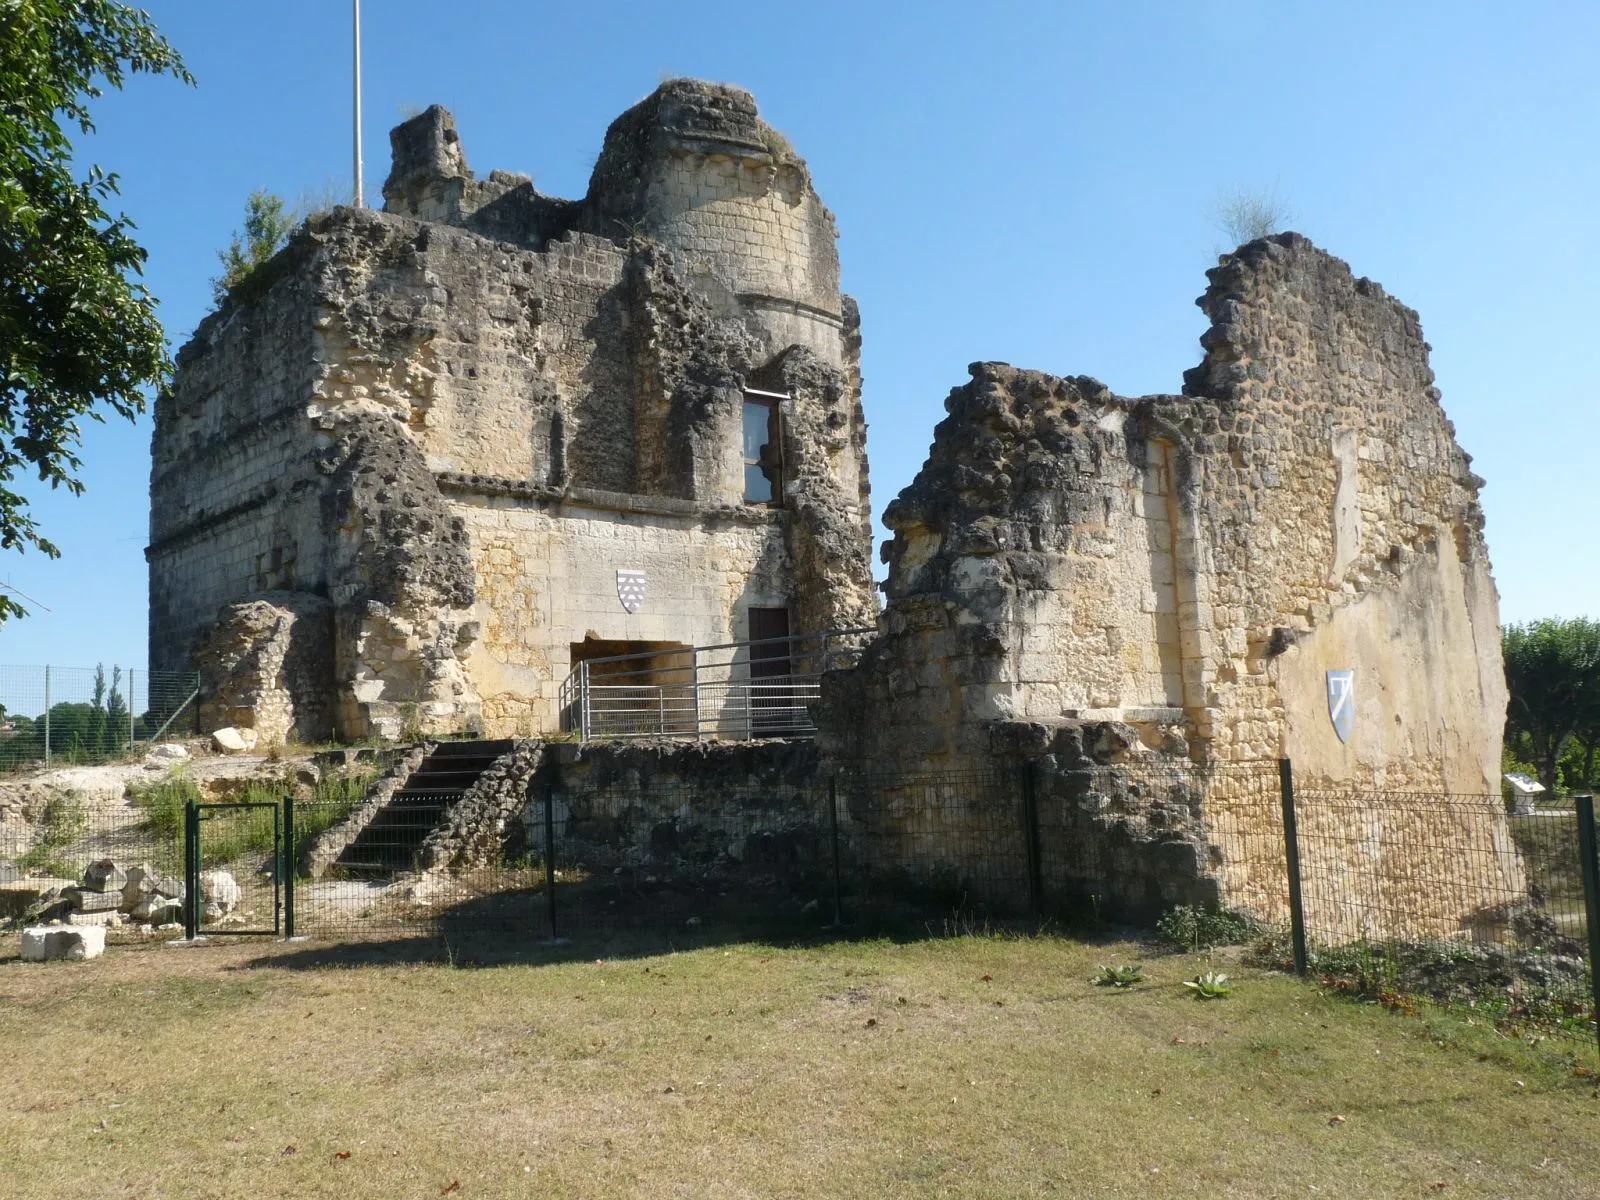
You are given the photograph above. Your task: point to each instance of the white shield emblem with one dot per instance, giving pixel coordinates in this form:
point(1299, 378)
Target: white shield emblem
point(1342, 702)
point(630, 589)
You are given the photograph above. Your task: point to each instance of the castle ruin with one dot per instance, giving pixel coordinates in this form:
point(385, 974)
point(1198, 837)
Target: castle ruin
point(409, 473)
point(428, 460)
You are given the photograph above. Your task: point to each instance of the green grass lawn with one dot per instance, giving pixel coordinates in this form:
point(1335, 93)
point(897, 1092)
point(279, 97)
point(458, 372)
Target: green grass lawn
point(949, 1067)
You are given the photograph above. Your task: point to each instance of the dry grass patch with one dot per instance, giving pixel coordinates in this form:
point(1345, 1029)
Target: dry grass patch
point(961, 1067)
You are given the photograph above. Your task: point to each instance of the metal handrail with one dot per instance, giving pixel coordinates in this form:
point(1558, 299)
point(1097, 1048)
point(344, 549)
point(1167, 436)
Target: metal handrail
point(645, 694)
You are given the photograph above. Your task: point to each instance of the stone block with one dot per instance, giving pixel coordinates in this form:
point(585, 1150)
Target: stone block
point(220, 890)
point(141, 882)
point(158, 909)
point(43, 943)
point(103, 875)
point(86, 901)
point(167, 754)
point(231, 740)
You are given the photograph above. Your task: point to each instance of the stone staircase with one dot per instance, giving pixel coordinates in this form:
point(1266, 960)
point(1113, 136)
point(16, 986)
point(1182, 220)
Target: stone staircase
point(390, 840)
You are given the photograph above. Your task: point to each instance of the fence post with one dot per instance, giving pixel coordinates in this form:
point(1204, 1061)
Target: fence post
point(289, 863)
point(47, 716)
point(583, 701)
point(131, 738)
point(1591, 896)
point(1291, 848)
point(191, 870)
point(833, 833)
point(1030, 834)
point(550, 853)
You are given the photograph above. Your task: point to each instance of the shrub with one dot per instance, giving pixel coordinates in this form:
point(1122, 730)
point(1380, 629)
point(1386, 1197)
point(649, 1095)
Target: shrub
point(163, 804)
point(1193, 927)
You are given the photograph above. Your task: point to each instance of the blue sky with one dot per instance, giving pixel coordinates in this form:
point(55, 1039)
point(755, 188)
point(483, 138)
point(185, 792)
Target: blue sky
point(1034, 183)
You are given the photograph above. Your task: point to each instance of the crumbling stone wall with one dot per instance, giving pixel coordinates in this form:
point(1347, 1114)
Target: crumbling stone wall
point(1179, 573)
point(707, 804)
point(268, 666)
point(458, 419)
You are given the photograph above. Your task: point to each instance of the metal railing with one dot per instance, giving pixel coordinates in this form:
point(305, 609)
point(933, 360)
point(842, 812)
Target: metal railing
point(736, 691)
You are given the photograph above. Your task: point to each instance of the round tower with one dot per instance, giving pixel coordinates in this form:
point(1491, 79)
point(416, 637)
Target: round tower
point(694, 167)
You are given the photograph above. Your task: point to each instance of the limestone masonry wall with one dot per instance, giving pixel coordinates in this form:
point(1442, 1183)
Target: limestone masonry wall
point(401, 471)
point(1169, 581)
point(456, 420)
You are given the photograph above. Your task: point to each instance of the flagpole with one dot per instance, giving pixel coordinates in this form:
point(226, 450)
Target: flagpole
point(360, 202)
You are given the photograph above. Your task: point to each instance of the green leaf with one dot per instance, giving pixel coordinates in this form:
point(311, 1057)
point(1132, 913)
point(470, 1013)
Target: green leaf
point(77, 335)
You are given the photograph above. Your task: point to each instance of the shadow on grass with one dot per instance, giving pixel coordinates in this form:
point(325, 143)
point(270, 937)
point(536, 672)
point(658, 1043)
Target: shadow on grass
point(598, 919)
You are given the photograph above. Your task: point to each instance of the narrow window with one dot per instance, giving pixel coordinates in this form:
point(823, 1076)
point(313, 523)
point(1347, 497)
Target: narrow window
point(763, 469)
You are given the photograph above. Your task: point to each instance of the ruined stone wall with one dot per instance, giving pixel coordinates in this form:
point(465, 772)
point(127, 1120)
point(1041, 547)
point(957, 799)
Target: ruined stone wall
point(570, 374)
point(268, 665)
point(696, 168)
point(1179, 573)
point(546, 571)
point(233, 499)
point(1342, 528)
point(707, 805)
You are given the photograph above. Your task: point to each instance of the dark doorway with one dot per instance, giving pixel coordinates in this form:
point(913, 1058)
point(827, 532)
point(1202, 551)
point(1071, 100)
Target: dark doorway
point(649, 691)
point(772, 698)
point(773, 659)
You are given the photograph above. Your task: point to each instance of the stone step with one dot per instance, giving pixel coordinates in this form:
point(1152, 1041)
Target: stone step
point(391, 839)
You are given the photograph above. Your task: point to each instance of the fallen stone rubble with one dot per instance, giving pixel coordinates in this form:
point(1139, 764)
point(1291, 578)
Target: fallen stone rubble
point(71, 922)
point(110, 896)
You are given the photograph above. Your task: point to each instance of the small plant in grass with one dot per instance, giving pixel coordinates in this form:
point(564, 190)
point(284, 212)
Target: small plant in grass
point(1119, 977)
point(1197, 928)
point(1213, 985)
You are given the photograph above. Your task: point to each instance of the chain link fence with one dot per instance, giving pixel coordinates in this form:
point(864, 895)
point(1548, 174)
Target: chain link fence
point(73, 715)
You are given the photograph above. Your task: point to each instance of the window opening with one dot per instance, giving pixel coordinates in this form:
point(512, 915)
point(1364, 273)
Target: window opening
point(763, 448)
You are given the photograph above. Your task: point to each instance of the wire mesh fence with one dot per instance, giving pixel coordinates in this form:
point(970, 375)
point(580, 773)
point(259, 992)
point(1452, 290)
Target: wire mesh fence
point(1401, 898)
point(1451, 899)
point(72, 715)
point(111, 863)
point(675, 855)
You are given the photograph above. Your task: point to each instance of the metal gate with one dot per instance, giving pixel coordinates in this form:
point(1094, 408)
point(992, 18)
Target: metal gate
point(239, 842)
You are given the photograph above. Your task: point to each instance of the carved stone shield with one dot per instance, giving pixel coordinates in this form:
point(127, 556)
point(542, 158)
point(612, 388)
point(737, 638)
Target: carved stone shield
point(630, 589)
point(1342, 702)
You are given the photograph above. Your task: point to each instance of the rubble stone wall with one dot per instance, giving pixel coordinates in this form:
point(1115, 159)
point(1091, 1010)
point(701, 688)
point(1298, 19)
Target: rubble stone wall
point(1174, 577)
point(457, 419)
point(708, 804)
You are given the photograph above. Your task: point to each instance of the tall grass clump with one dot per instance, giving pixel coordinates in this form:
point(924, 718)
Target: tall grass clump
point(335, 798)
point(162, 806)
point(63, 822)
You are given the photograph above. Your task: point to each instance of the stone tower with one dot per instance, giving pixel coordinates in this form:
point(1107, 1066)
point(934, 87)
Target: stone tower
point(436, 438)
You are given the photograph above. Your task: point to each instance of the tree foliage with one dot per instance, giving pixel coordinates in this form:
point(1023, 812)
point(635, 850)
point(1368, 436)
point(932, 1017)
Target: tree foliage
point(267, 222)
point(1553, 675)
point(78, 334)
